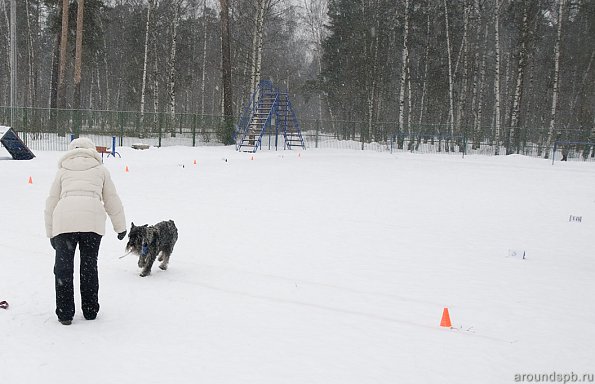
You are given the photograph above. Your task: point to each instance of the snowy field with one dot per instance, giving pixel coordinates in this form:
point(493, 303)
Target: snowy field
point(319, 266)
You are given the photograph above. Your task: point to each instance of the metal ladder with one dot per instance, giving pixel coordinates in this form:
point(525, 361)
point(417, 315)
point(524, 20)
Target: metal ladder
point(267, 104)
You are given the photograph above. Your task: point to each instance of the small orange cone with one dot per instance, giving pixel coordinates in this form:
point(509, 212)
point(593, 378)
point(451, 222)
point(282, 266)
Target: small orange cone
point(252, 158)
point(445, 322)
point(126, 168)
point(30, 180)
point(194, 162)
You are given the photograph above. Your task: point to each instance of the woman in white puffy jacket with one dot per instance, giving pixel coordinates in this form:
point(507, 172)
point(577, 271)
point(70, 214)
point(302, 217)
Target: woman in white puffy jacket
point(81, 195)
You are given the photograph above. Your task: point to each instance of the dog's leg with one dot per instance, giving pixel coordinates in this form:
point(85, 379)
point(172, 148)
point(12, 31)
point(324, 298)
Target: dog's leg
point(149, 263)
point(141, 261)
point(160, 256)
point(165, 257)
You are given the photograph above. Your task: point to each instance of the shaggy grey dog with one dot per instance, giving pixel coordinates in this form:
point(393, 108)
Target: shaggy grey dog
point(150, 241)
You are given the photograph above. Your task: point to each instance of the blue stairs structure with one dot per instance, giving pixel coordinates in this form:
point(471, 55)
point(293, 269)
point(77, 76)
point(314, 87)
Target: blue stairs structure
point(269, 112)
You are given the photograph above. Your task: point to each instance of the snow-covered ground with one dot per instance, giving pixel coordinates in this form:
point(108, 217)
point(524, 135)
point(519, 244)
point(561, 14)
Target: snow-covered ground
point(319, 266)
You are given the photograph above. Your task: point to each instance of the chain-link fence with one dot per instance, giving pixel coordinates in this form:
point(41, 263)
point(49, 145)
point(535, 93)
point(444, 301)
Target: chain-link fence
point(51, 129)
point(572, 144)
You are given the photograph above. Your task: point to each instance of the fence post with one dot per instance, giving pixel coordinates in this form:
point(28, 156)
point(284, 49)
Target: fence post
point(25, 126)
point(159, 130)
point(317, 133)
point(194, 129)
point(121, 123)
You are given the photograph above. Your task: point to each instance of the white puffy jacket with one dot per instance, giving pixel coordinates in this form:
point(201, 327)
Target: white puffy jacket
point(82, 193)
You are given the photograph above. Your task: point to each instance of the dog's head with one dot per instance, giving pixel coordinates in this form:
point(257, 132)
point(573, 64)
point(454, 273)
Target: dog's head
point(137, 237)
point(138, 242)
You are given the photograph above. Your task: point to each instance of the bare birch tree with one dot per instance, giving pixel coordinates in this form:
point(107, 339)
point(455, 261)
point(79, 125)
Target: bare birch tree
point(425, 76)
point(155, 81)
point(172, 59)
point(463, 92)
point(373, 75)
point(404, 61)
point(257, 43)
point(315, 19)
point(513, 133)
point(551, 131)
point(474, 93)
point(478, 90)
point(204, 58)
point(450, 78)
point(497, 130)
point(150, 7)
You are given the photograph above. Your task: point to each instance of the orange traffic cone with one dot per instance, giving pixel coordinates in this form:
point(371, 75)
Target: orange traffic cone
point(194, 162)
point(126, 168)
point(30, 180)
point(445, 322)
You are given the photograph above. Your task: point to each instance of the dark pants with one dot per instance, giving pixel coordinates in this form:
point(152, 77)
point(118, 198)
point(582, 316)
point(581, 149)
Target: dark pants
point(65, 244)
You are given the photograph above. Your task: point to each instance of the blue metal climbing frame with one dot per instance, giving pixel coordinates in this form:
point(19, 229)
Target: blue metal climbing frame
point(268, 108)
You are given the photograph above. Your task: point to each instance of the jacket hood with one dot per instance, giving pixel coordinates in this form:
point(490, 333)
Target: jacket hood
point(81, 142)
point(81, 156)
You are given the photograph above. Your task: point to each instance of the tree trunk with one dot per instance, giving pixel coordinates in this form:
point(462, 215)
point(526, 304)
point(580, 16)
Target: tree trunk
point(315, 20)
point(463, 93)
point(172, 63)
point(155, 84)
point(257, 44)
point(8, 50)
point(227, 134)
point(53, 100)
point(409, 109)
point(514, 134)
point(478, 93)
point(106, 67)
point(91, 85)
point(372, 91)
point(555, 90)
point(32, 83)
point(404, 61)
point(474, 93)
point(78, 59)
point(204, 59)
point(450, 79)
point(63, 56)
point(145, 61)
point(425, 79)
point(497, 130)
point(99, 91)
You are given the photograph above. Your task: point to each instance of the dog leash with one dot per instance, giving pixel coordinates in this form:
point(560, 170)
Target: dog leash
point(3, 304)
point(123, 256)
point(143, 252)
